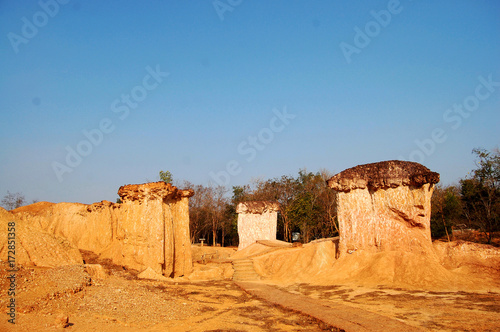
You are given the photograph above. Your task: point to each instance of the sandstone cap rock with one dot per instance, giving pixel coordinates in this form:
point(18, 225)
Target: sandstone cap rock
point(257, 207)
point(384, 174)
point(151, 191)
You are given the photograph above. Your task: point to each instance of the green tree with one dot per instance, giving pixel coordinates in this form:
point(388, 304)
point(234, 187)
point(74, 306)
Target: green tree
point(240, 194)
point(321, 210)
point(304, 214)
point(282, 190)
point(166, 177)
point(306, 203)
point(480, 193)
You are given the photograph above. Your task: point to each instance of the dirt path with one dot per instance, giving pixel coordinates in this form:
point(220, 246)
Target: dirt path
point(427, 310)
point(338, 315)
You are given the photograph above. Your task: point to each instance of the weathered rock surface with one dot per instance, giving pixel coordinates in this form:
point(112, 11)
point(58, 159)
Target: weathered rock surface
point(257, 207)
point(88, 227)
point(33, 246)
point(384, 206)
point(256, 221)
point(382, 175)
point(150, 228)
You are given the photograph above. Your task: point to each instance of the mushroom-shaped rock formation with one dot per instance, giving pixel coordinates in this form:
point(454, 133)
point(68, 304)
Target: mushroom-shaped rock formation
point(256, 221)
point(384, 206)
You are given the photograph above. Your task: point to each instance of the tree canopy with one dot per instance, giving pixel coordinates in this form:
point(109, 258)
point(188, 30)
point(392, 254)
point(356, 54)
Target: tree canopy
point(166, 177)
point(480, 193)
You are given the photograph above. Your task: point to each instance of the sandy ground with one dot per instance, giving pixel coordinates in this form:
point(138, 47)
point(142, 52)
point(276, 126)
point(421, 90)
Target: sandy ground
point(122, 302)
point(428, 310)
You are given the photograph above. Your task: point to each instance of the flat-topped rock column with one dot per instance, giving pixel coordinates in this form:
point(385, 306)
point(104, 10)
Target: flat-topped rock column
point(256, 221)
point(384, 206)
point(155, 227)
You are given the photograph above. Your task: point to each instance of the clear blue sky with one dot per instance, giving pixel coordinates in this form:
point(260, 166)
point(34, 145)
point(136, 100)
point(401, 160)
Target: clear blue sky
point(357, 82)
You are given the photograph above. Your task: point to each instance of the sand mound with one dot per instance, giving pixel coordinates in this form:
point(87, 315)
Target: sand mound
point(392, 268)
point(35, 208)
point(295, 264)
point(455, 266)
point(33, 246)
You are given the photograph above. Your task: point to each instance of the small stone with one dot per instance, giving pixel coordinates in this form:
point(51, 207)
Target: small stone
point(96, 271)
point(62, 321)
